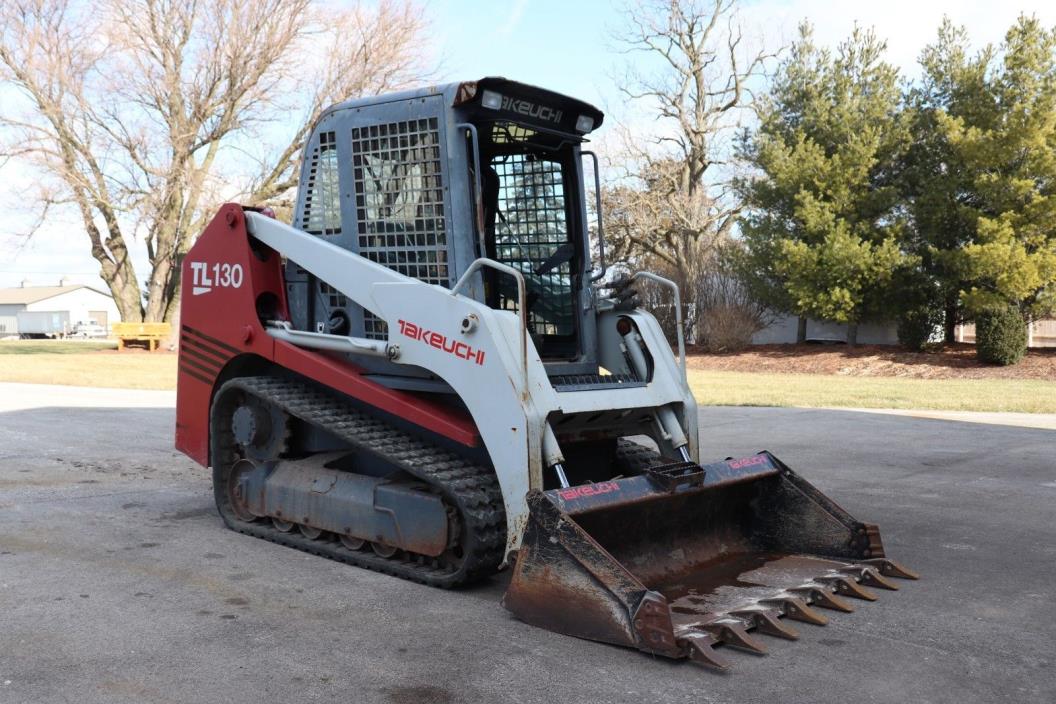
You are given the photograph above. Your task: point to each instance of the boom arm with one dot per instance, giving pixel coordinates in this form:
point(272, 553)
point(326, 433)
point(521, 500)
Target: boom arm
point(326, 261)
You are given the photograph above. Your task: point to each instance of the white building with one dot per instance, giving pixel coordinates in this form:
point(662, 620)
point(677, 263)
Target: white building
point(1041, 333)
point(53, 309)
point(782, 331)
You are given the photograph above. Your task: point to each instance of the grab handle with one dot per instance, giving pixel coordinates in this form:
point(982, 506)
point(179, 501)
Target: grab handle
point(522, 301)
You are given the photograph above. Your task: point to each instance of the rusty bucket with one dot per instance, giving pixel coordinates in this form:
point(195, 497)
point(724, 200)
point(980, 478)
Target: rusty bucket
point(683, 558)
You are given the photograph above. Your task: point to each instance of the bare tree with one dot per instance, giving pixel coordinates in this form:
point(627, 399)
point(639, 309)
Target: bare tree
point(142, 115)
point(673, 204)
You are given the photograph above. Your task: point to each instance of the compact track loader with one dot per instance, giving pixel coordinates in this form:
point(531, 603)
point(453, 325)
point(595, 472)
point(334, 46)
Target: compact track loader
point(427, 376)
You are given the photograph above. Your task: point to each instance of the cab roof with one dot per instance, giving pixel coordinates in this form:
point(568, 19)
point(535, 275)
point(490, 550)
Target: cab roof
point(466, 92)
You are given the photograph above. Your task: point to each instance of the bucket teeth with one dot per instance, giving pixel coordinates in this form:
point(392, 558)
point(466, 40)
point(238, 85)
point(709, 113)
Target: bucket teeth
point(847, 586)
point(700, 650)
point(890, 568)
point(870, 576)
point(766, 621)
point(797, 609)
point(732, 632)
point(820, 595)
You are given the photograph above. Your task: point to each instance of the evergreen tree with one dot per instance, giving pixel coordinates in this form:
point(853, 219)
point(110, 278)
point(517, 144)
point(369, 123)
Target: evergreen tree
point(1008, 146)
point(937, 183)
point(823, 223)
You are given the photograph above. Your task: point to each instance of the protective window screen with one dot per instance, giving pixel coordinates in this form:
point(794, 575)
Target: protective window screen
point(400, 202)
point(322, 201)
point(532, 225)
point(331, 297)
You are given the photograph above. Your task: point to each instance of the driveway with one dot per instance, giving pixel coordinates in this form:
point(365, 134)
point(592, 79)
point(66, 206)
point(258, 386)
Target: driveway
point(118, 582)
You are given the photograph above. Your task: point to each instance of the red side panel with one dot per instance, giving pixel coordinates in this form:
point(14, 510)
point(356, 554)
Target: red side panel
point(223, 282)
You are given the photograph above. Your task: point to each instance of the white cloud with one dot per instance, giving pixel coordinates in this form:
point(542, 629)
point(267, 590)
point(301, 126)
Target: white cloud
point(907, 25)
point(513, 19)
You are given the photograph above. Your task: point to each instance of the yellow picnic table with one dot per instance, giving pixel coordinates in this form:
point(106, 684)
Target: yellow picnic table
point(149, 333)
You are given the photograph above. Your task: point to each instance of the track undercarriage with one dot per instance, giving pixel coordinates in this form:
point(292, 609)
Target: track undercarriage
point(474, 535)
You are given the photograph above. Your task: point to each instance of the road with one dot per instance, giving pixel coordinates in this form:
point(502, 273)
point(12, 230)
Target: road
point(119, 584)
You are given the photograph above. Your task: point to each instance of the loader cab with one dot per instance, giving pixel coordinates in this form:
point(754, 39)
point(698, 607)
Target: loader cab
point(427, 181)
point(525, 156)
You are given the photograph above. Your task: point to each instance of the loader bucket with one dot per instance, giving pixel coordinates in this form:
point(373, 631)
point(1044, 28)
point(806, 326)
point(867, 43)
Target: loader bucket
point(684, 558)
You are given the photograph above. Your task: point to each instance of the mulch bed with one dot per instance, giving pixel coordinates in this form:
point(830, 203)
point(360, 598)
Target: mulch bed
point(955, 361)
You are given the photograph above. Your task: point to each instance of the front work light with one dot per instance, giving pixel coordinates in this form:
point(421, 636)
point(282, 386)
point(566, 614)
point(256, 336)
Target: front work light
point(584, 124)
point(491, 100)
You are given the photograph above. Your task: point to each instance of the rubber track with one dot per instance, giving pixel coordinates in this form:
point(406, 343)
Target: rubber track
point(472, 489)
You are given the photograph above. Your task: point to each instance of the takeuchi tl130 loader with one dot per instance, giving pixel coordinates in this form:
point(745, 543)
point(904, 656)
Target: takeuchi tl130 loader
point(427, 376)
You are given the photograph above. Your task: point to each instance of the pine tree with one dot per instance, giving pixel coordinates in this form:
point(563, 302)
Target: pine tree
point(937, 183)
point(1008, 145)
point(823, 226)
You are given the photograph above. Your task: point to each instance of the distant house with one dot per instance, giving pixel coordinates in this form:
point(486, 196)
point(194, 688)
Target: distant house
point(782, 331)
point(53, 310)
point(1041, 333)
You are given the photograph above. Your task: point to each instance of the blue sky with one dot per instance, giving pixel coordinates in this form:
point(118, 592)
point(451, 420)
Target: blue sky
point(560, 45)
point(564, 45)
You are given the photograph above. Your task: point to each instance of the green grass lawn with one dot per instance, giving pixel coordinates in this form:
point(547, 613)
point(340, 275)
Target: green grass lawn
point(721, 388)
point(55, 346)
point(85, 363)
point(92, 364)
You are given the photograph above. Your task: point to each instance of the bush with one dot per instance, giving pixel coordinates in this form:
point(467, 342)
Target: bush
point(727, 328)
point(728, 313)
point(1001, 337)
point(719, 311)
point(915, 327)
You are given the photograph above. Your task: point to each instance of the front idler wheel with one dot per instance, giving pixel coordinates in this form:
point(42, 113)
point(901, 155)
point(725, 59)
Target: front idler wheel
point(260, 429)
point(239, 503)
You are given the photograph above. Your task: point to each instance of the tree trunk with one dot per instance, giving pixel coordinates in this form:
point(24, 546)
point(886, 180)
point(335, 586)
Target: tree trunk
point(115, 263)
point(684, 278)
point(801, 330)
point(172, 341)
point(126, 298)
point(949, 323)
point(159, 289)
point(172, 310)
point(852, 334)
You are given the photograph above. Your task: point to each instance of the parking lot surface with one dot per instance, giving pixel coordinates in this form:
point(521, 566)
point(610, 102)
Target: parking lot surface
point(118, 582)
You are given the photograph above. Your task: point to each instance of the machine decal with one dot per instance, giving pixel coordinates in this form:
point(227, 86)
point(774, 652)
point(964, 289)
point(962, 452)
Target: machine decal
point(441, 342)
point(524, 107)
point(588, 490)
point(747, 462)
point(222, 275)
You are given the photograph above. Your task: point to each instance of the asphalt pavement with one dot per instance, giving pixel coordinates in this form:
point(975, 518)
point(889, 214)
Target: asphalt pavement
point(118, 582)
